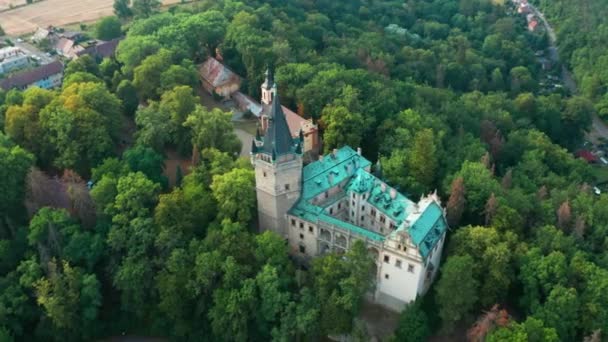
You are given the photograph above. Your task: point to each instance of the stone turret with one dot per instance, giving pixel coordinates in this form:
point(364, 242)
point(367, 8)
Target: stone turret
point(277, 159)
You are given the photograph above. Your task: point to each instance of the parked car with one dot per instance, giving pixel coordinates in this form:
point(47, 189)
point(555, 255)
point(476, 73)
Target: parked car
point(597, 190)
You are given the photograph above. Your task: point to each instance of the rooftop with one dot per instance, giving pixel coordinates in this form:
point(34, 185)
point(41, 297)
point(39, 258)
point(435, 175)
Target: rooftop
point(427, 229)
point(331, 170)
point(347, 168)
point(216, 73)
point(28, 77)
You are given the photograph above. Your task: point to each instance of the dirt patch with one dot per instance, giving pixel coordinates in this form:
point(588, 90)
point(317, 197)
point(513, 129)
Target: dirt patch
point(174, 160)
point(55, 12)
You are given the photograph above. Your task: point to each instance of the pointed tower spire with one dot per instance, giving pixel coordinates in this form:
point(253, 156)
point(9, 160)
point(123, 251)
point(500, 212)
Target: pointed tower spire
point(277, 139)
point(269, 81)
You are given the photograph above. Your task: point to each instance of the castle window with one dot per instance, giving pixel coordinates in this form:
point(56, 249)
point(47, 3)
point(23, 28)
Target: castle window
point(302, 249)
point(381, 230)
point(392, 225)
point(352, 213)
point(374, 212)
point(286, 186)
point(301, 225)
point(301, 236)
point(398, 263)
point(363, 208)
point(353, 203)
point(353, 195)
point(387, 259)
point(410, 268)
point(386, 276)
point(331, 211)
point(310, 229)
point(339, 206)
point(264, 173)
point(364, 196)
point(326, 194)
point(293, 222)
point(382, 218)
point(362, 218)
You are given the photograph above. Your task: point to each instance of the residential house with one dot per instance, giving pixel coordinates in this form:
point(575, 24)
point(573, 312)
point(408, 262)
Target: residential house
point(12, 58)
point(45, 76)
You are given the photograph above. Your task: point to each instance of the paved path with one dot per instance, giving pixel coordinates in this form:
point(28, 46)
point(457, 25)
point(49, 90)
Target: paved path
point(245, 139)
point(599, 127)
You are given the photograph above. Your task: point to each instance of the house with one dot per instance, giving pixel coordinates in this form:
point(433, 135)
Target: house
point(41, 34)
point(99, 49)
point(45, 76)
point(64, 47)
point(12, 58)
point(587, 156)
point(532, 25)
point(218, 79)
point(328, 205)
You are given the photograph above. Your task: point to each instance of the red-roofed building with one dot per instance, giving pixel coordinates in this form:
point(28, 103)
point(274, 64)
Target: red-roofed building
point(587, 155)
point(532, 25)
point(218, 79)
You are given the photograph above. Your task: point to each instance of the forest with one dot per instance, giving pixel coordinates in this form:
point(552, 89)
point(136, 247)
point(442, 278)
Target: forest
point(96, 241)
point(581, 32)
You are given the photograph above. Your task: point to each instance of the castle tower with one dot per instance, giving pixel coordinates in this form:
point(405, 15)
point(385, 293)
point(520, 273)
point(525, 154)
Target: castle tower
point(277, 159)
point(268, 88)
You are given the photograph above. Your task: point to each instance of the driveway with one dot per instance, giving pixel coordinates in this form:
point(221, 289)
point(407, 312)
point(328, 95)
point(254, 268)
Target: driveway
point(245, 139)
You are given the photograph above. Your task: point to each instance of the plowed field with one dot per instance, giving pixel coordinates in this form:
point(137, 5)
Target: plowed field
point(54, 12)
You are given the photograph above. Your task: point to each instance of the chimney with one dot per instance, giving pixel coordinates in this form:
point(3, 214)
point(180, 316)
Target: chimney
point(359, 150)
point(334, 153)
point(330, 177)
point(383, 187)
point(320, 157)
point(393, 193)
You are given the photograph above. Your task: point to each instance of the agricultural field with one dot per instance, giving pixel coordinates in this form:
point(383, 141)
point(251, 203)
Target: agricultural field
point(54, 12)
point(6, 4)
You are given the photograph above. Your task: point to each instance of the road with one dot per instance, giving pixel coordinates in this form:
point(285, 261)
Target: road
point(598, 127)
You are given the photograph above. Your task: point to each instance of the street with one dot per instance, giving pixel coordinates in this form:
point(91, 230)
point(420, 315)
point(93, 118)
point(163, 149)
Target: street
point(598, 127)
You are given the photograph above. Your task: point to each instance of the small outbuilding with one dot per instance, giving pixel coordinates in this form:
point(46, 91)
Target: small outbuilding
point(217, 78)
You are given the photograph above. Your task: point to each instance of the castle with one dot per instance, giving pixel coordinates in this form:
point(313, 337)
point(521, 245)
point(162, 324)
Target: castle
point(327, 205)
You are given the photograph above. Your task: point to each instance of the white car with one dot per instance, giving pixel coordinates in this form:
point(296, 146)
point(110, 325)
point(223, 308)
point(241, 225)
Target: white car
point(19, 40)
point(597, 190)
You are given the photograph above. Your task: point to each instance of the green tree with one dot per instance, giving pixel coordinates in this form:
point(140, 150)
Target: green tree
point(235, 196)
point(212, 129)
point(108, 28)
point(122, 9)
point(85, 63)
point(413, 324)
point(148, 161)
point(15, 163)
point(70, 298)
point(147, 76)
point(423, 158)
point(341, 127)
point(456, 275)
point(145, 8)
point(127, 93)
point(155, 128)
point(532, 329)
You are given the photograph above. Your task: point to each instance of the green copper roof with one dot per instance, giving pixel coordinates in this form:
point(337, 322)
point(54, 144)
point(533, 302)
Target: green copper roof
point(394, 208)
point(332, 170)
point(428, 228)
point(347, 168)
